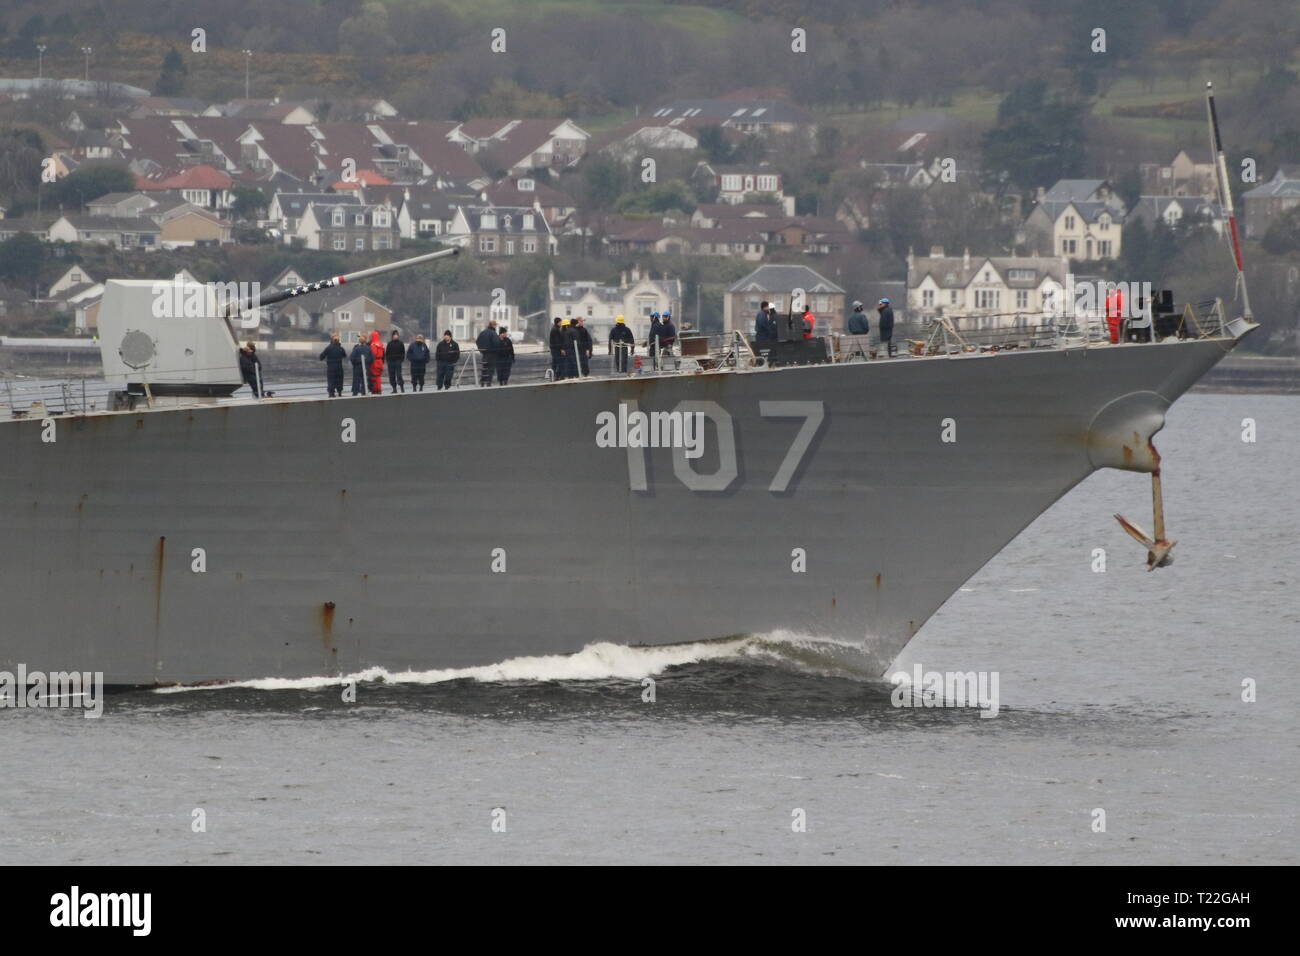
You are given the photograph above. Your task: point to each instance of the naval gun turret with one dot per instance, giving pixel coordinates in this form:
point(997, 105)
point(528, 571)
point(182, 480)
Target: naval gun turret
point(177, 337)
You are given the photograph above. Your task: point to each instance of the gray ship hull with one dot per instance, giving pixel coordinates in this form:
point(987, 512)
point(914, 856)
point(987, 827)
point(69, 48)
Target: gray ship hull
point(465, 527)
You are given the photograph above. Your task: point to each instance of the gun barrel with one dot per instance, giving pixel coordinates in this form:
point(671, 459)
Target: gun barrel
point(335, 281)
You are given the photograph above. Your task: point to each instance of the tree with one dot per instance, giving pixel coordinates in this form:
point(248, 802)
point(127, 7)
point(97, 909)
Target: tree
point(249, 200)
point(1283, 234)
point(90, 182)
point(713, 142)
point(171, 80)
point(21, 257)
point(1039, 138)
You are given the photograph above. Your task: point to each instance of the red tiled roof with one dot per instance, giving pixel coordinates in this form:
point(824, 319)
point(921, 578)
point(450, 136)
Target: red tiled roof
point(197, 177)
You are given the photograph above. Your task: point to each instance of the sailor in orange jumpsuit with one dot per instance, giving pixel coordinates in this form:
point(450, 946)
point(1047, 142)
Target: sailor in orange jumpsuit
point(1114, 314)
point(376, 363)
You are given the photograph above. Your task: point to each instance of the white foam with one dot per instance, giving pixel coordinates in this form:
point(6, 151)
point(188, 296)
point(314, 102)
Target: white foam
point(603, 660)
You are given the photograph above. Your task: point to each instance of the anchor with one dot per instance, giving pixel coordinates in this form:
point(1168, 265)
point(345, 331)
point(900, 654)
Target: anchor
point(1158, 548)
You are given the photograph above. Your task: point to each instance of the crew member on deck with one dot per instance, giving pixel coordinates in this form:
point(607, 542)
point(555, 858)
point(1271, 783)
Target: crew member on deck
point(583, 344)
point(886, 326)
point(556, 343)
point(418, 356)
point(858, 324)
point(763, 329)
point(622, 343)
point(447, 354)
point(488, 341)
point(395, 355)
point(1114, 314)
point(809, 322)
point(505, 357)
point(376, 363)
point(333, 357)
point(652, 340)
point(360, 355)
point(667, 332)
point(250, 366)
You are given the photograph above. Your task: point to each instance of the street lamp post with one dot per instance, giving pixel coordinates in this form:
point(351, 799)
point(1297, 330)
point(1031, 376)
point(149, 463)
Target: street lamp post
point(248, 58)
point(40, 60)
point(87, 50)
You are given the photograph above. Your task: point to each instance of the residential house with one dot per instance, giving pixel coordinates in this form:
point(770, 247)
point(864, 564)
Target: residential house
point(1173, 210)
point(1190, 173)
point(352, 314)
point(634, 297)
point(286, 208)
point(738, 111)
point(201, 185)
point(743, 238)
point(187, 225)
point(138, 232)
point(502, 231)
point(1268, 201)
point(348, 227)
point(525, 190)
point(648, 134)
point(982, 292)
point(122, 205)
point(1081, 219)
point(274, 110)
point(39, 226)
point(467, 314)
point(778, 285)
point(738, 184)
point(427, 213)
point(423, 152)
point(522, 145)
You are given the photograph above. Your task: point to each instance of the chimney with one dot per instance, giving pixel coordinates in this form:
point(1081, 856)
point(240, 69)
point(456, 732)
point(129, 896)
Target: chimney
point(965, 259)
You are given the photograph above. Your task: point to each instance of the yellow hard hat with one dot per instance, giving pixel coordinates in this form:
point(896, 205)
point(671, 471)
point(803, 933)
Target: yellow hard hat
point(564, 321)
point(619, 319)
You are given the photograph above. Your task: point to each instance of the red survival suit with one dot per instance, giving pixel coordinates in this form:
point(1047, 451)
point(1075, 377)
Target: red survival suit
point(809, 323)
point(1114, 314)
point(376, 363)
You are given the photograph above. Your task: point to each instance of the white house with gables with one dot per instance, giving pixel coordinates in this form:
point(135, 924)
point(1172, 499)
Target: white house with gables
point(986, 292)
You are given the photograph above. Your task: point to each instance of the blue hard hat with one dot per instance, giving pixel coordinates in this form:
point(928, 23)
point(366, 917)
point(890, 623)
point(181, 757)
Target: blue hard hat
point(654, 315)
point(668, 311)
point(885, 301)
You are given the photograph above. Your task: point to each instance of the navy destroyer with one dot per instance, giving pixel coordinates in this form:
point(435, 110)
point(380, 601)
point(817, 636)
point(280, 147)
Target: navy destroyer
point(187, 537)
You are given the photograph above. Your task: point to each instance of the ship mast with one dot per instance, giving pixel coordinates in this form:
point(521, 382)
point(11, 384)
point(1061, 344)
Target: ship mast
point(1225, 197)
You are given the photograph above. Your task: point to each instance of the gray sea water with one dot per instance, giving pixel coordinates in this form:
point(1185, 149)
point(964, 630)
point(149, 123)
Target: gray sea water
point(1120, 691)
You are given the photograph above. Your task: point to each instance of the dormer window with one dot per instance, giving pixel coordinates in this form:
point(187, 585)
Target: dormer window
point(488, 221)
point(338, 219)
point(359, 219)
point(528, 222)
point(526, 185)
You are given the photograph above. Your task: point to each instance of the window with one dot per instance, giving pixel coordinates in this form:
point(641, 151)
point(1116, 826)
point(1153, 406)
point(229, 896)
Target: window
point(528, 222)
point(370, 318)
point(1103, 248)
point(731, 183)
point(510, 247)
point(1069, 222)
point(526, 185)
point(1069, 246)
point(954, 297)
point(1020, 275)
point(359, 219)
point(590, 311)
point(530, 245)
point(383, 241)
point(987, 298)
point(337, 218)
point(381, 218)
point(927, 298)
point(488, 221)
point(340, 242)
point(359, 242)
point(345, 316)
point(487, 244)
point(1022, 298)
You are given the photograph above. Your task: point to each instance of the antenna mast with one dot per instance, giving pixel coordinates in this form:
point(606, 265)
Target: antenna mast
point(1225, 197)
